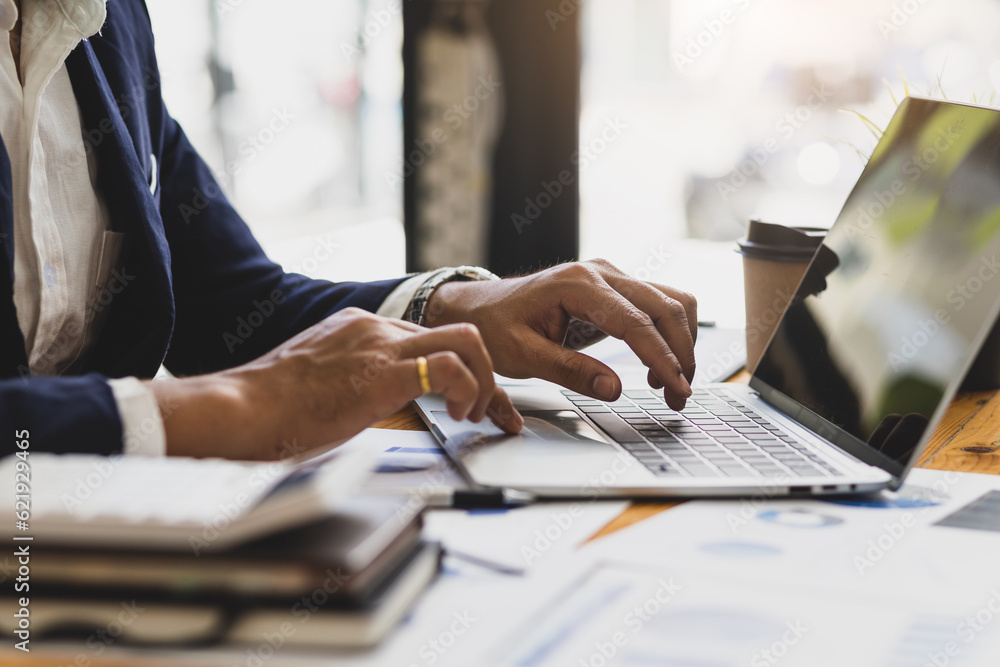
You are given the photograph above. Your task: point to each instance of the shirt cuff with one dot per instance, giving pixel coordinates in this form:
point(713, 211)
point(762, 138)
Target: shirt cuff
point(142, 425)
point(398, 301)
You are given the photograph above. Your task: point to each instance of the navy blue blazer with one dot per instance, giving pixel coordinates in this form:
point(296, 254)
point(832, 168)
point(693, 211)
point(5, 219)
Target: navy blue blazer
point(193, 272)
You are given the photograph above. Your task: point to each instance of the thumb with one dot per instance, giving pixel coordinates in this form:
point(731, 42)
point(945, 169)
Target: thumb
point(575, 371)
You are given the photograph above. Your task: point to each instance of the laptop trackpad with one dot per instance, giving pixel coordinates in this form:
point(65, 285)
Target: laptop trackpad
point(556, 450)
point(554, 427)
point(558, 424)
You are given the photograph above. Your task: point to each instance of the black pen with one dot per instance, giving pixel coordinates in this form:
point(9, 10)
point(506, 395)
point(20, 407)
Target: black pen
point(481, 499)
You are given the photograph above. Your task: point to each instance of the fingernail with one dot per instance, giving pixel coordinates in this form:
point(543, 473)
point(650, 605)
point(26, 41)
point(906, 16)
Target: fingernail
point(604, 387)
point(686, 386)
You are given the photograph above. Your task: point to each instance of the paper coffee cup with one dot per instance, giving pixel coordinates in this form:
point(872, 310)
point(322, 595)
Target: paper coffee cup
point(774, 260)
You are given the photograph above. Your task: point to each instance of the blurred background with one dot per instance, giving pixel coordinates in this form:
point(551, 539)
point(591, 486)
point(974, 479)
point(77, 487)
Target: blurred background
point(362, 138)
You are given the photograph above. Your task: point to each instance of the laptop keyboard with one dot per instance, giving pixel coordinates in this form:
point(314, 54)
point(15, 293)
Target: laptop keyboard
point(714, 436)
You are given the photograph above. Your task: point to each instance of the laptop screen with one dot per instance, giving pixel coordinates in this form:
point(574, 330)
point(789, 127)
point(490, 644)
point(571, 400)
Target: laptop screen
point(900, 295)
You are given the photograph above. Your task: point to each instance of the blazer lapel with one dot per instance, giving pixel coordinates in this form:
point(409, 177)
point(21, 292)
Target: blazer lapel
point(138, 327)
point(12, 352)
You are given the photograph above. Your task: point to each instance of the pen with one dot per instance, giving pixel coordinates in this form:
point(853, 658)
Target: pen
point(480, 499)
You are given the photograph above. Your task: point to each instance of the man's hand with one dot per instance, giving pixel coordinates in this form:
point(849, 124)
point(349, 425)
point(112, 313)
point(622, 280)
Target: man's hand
point(328, 384)
point(524, 322)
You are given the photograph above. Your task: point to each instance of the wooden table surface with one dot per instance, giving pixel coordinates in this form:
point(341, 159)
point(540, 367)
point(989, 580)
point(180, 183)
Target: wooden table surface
point(968, 440)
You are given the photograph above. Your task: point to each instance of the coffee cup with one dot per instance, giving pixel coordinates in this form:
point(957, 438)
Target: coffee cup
point(775, 258)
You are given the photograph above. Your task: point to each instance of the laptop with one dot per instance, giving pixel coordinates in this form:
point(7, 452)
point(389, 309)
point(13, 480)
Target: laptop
point(882, 329)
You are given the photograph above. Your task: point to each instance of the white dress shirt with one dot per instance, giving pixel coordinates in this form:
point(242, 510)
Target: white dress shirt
point(62, 239)
point(63, 245)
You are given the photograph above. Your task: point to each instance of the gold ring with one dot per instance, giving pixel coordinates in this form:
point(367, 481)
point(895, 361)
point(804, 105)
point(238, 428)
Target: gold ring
point(425, 379)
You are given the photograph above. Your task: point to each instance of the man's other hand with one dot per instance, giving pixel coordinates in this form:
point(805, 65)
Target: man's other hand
point(524, 322)
point(327, 384)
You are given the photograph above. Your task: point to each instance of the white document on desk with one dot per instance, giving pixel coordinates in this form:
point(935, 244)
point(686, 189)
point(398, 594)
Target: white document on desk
point(848, 545)
point(523, 538)
point(626, 615)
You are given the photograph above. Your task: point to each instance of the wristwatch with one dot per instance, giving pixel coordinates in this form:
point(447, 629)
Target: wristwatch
point(417, 312)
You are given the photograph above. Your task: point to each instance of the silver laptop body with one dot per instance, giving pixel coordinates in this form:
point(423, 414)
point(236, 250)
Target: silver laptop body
point(860, 369)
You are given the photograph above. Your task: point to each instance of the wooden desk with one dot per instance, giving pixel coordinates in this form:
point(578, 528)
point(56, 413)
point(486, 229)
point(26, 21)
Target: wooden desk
point(967, 440)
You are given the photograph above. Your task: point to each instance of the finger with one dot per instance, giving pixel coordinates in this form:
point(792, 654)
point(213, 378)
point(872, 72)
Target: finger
point(448, 376)
point(503, 413)
point(668, 314)
point(687, 300)
point(581, 334)
point(573, 370)
point(465, 341)
point(653, 381)
point(604, 307)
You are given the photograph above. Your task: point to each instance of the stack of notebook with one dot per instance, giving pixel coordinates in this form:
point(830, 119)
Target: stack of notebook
point(341, 572)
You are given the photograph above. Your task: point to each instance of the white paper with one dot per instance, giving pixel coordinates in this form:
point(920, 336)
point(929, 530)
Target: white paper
point(625, 615)
point(523, 538)
point(892, 551)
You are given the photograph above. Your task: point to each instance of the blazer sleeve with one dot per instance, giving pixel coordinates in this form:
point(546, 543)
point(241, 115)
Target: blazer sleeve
point(232, 303)
point(61, 414)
